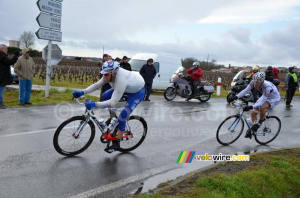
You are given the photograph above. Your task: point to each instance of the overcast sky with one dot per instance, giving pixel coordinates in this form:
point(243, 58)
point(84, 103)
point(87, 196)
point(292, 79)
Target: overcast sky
point(240, 32)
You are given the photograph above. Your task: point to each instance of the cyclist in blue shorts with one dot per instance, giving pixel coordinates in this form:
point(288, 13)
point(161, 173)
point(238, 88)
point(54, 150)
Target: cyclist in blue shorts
point(123, 82)
point(270, 98)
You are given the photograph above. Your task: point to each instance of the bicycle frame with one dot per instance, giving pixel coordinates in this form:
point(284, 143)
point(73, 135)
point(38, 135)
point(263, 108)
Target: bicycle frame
point(243, 116)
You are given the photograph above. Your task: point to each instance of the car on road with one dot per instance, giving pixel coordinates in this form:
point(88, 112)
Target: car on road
point(14, 76)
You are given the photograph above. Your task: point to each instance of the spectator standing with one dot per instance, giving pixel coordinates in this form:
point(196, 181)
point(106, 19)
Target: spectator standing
point(148, 72)
point(276, 73)
point(5, 74)
point(291, 84)
point(118, 60)
point(269, 74)
point(106, 86)
point(125, 64)
point(25, 67)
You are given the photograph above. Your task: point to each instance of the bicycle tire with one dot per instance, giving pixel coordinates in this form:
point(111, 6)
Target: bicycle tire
point(143, 125)
point(56, 141)
point(257, 137)
point(218, 135)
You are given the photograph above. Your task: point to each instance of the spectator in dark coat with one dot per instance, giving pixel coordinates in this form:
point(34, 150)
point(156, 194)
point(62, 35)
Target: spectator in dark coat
point(106, 86)
point(125, 64)
point(291, 84)
point(5, 74)
point(269, 74)
point(148, 72)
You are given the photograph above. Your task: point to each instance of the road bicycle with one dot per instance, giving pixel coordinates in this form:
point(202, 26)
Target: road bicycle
point(77, 133)
point(232, 127)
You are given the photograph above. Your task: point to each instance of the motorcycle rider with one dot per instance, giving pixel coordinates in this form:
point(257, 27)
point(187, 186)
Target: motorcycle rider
point(195, 73)
point(270, 98)
point(123, 82)
point(255, 69)
point(269, 74)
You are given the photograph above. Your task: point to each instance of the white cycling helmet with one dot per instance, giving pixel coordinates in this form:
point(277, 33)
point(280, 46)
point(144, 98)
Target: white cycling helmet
point(259, 77)
point(110, 67)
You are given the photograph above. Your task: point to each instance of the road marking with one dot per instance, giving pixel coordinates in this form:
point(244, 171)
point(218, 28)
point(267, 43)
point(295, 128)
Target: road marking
point(123, 182)
point(26, 133)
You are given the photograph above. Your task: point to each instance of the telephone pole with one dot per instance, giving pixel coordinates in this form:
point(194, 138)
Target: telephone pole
point(207, 60)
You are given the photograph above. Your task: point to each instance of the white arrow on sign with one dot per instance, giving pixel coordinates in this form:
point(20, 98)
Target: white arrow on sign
point(48, 21)
point(49, 35)
point(50, 6)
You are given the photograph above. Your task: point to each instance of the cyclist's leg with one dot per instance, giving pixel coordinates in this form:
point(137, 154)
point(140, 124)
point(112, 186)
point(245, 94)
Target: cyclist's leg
point(106, 96)
point(262, 110)
point(132, 102)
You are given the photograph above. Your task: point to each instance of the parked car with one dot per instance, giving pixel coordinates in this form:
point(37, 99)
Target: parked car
point(14, 76)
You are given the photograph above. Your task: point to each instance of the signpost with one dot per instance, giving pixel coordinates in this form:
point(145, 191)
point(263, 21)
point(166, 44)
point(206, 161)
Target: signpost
point(48, 21)
point(50, 18)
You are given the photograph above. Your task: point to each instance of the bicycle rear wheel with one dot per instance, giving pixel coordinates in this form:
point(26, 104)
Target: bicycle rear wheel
point(268, 131)
point(230, 130)
point(65, 140)
point(136, 131)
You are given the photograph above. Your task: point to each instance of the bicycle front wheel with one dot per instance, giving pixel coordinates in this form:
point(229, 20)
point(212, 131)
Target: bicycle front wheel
point(74, 136)
point(268, 131)
point(136, 131)
point(230, 130)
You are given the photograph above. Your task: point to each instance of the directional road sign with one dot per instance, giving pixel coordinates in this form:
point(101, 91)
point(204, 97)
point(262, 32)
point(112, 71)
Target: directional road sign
point(56, 54)
point(49, 35)
point(50, 6)
point(48, 21)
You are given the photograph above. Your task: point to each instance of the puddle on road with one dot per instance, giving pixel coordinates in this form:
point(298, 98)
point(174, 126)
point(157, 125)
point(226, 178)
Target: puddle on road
point(154, 181)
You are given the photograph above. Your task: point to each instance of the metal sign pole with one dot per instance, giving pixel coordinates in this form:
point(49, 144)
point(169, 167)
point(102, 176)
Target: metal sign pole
point(48, 69)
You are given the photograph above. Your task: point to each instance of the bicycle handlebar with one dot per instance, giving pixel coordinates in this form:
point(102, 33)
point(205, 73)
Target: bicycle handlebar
point(86, 100)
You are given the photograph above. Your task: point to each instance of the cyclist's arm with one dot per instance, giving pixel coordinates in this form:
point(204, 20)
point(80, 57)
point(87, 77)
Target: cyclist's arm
point(266, 93)
point(248, 89)
point(119, 90)
point(95, 86)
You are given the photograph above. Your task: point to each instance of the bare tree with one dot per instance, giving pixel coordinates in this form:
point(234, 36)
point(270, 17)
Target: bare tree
point(27, 39)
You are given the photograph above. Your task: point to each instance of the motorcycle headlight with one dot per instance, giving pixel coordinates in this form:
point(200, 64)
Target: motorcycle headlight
point(233, 83)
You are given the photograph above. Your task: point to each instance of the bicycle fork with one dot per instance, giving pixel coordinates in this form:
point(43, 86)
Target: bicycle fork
point(79, 129)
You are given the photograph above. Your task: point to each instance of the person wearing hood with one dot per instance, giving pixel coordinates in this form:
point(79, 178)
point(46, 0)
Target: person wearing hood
point(5, 74)
point(269, 74)
point(291, 84)
point(276, 73)
point(25, 68)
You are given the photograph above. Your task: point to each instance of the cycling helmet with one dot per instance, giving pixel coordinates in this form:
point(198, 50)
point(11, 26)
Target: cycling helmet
point(197, 64)
point(259, 77)
point(255, 68)
point(110, 67)
point(269, 68)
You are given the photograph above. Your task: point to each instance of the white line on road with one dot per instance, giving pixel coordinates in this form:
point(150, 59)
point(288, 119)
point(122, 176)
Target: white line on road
point(27, 133)
point(117, 184)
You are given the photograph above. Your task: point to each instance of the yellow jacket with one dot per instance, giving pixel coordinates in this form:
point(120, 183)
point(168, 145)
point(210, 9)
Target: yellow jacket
point(24, 67)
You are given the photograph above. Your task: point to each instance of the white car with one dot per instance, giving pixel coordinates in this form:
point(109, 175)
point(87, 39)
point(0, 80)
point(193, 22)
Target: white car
point(14, 76)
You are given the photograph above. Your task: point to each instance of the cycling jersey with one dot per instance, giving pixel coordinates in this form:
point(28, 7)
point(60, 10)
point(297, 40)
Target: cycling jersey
point(269, 92)
point(124, 82)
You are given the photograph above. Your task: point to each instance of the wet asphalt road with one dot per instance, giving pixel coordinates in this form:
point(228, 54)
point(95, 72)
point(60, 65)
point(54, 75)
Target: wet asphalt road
point(30, 167)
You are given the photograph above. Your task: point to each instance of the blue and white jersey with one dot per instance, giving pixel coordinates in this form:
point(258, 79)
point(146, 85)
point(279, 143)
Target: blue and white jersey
point(269, 92)
point(124, 82)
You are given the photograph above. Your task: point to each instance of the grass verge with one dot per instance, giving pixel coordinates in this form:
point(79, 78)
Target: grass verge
point(272, 174)
point(11, 97)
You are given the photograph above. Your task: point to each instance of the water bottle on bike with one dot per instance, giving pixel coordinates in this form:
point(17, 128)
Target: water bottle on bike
point(112, 124)
point(103, 124)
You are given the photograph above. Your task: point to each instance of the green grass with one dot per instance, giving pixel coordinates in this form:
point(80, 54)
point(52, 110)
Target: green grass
point(11, 97)
point(274, 174)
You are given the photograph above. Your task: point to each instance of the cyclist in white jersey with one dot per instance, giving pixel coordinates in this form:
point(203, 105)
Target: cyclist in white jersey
point(123, 83)
point(270, 98)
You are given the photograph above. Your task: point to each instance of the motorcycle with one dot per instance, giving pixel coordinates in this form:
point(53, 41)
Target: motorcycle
point(239, 83)
point(182, 87)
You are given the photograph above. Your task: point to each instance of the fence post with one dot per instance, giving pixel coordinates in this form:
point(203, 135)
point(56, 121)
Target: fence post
point(219, 86)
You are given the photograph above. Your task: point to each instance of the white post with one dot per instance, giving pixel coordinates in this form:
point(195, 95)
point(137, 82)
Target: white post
point(219, 87)
point(48, 69)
